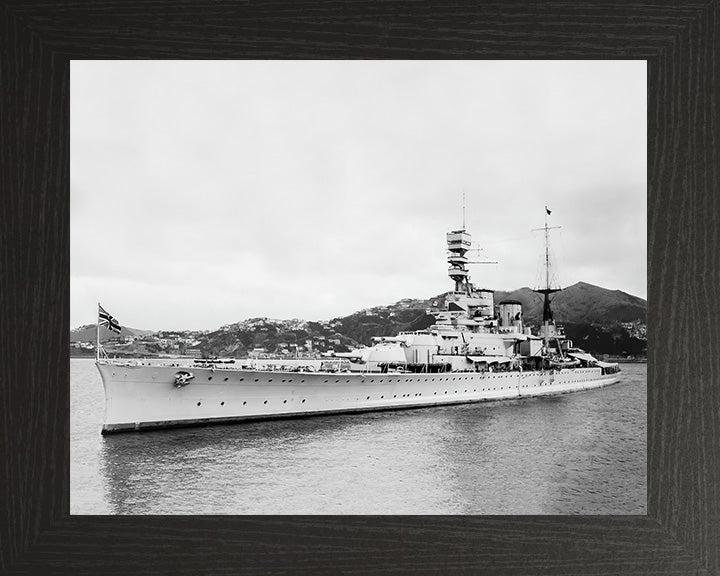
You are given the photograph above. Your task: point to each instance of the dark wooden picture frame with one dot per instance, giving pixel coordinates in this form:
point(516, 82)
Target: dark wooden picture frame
point(681, 532)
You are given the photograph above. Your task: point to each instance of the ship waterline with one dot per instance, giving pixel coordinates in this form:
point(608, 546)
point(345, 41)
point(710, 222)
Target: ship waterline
point(141, 397)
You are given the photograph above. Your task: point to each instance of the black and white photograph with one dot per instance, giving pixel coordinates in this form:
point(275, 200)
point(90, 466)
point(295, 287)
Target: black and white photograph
point(358, 287)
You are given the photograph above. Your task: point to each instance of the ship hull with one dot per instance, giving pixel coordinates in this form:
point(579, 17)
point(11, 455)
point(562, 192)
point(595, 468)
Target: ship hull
point(144, 397)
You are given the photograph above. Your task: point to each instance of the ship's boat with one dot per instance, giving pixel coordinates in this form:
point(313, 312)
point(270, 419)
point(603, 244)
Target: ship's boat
point(560, 363)
point(474, 352)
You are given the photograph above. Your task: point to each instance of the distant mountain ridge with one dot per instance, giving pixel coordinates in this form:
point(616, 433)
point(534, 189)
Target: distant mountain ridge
point(581, 303)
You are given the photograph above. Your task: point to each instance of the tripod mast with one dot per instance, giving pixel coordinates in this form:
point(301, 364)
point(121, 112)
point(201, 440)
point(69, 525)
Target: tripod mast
point(547, 311)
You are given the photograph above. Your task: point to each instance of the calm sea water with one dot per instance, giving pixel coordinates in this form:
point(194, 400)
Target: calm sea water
point(581, 453)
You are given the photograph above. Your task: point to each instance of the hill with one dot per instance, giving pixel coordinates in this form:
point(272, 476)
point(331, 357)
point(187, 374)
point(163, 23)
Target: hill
point(597, 319)
point(581, 303)
point(275, 336)
point(406, 315)
point(86, 333)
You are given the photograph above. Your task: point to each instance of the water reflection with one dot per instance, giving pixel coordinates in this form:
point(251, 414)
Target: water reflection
point(336, 464)
point(571, 454)
point(168, 466)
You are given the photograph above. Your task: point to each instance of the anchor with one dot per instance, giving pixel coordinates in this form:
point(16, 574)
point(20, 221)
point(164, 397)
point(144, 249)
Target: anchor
point(182, 378)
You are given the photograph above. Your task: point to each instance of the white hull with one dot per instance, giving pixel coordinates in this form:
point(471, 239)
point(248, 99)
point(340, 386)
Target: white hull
point(145, 397)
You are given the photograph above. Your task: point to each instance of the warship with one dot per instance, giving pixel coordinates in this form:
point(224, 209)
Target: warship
point(474, 352)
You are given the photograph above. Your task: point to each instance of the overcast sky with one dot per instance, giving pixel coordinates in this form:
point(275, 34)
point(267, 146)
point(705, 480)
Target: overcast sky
point(204, 193)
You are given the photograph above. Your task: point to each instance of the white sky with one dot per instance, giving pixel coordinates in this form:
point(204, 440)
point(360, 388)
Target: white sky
point(204, 193)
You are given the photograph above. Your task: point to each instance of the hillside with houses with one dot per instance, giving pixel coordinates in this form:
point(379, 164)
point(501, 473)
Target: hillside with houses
point(602, 321)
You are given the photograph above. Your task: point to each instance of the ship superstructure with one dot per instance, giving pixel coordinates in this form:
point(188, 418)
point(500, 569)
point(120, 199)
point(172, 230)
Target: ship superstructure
point(473, 352)
point(471, 334)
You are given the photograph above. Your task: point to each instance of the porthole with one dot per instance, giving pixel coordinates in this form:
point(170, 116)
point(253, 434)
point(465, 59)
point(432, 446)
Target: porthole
point(199, 403)
point(270, 380)
point(284, 401)
point(222, 403)
point(241, 379)
point(244, 403)
point(368, 398)
point(209, 377)
point(382, 396)
point(225, 379)
point(394, 395)
point(256, 379)
point(303, 401)
point(302, 380)
point(265, 402)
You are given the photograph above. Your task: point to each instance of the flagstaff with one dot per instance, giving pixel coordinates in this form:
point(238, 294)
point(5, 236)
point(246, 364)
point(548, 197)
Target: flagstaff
point(97, 327)
point(105, 319)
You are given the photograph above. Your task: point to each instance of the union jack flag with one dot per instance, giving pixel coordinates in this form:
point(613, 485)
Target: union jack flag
point(104, 319)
